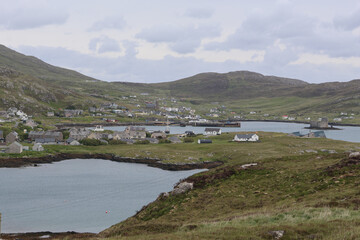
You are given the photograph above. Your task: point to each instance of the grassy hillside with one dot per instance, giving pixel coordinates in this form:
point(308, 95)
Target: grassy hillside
point(306, 195)
point(38, 86)
point(35, 67)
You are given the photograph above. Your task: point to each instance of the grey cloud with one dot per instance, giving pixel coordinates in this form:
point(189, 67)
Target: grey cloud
point(259, 32)
point(348, 22)
point(116, 22)
point(32, 17)
point(130, 68)
point(199, 12)
point(104, 44)
point(329, 42)
point(182, 39)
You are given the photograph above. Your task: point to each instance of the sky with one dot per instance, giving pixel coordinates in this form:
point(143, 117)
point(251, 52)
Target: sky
point(165, 40)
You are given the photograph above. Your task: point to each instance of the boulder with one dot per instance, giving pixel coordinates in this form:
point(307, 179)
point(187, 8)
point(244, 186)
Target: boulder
point(277, 234)
point(354, 155)
point(182, 188)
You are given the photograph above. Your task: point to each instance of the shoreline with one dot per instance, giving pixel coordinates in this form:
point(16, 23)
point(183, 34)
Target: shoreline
point(47, 235)
point(67, 125)
point(151, 162)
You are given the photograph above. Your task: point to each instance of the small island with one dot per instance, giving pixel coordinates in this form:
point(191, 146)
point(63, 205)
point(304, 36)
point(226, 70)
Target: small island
point(323, 124)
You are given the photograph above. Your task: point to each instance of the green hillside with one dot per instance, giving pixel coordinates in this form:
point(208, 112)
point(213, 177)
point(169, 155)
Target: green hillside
point(298, 186)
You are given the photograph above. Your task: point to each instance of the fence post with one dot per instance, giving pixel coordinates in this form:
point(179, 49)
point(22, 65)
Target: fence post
point(0, 226)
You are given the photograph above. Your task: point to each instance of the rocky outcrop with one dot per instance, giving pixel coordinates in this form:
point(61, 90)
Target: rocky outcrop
point(182, 187)
point(354, 155)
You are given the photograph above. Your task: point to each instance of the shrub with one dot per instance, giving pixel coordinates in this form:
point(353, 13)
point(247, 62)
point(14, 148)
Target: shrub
point(188, 140)
point(66, 134)
point(142, 142)
point(164, 141)
point(116, 142)
point(91, 142)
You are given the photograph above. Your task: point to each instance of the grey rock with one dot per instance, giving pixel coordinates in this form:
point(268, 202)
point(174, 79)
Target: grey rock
point(277, 234)
point(354, 155)
point(182, 188)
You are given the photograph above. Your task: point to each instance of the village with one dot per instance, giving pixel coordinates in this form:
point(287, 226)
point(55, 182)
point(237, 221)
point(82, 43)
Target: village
point(28, 134)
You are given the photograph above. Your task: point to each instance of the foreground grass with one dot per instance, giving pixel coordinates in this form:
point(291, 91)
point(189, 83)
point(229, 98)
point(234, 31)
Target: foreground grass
point(303, 195)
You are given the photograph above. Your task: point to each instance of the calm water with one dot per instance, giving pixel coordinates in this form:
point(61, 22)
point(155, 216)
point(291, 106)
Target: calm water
point(74, 195)
point(351, 134)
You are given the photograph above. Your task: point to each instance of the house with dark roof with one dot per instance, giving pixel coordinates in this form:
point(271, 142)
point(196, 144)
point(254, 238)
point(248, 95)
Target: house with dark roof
point(201, 141)
point(36, 135)
point(158, 134)
point(46, 140)
point(189, 133)
point(212, 131)
point(174, 139)
point(316, 134)
point(79, 133)
point(246, 138)
point(153, 140)
point(135, 132)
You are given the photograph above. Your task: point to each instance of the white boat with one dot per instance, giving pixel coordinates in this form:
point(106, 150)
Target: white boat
point(99, 128)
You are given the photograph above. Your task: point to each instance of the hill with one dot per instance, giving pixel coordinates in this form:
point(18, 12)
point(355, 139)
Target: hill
point(233, 85)
point(31, 84)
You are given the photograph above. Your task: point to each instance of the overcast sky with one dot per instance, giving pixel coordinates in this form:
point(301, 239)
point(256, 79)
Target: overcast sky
point(164, 40)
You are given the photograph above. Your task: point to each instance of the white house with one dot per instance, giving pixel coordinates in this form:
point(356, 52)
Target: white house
point(212, 131)
point(38, 147)
point(246, 138)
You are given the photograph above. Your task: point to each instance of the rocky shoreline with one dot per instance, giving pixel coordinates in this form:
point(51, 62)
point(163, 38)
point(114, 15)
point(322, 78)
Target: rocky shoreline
point(47, 235)
point(152, 162)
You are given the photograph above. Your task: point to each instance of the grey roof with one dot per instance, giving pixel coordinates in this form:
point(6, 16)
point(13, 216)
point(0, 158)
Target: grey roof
point(319, 134)
point(15, 133)
point(212, 129)
point(245, 135)
point(133, 128)
point(129, 141)
point(45, 140)
point(298, 134)
point(69, 140)
point(16, 143)
point(152, 140)
point(174, 139)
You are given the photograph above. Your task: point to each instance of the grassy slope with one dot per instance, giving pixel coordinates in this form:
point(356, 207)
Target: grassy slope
point(287, 191)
